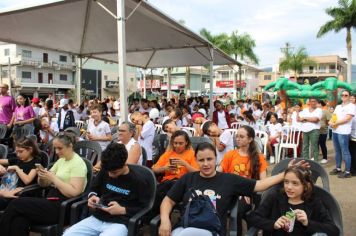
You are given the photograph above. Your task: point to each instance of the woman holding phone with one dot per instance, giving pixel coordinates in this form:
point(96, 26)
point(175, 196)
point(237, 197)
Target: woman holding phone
point(66, 179)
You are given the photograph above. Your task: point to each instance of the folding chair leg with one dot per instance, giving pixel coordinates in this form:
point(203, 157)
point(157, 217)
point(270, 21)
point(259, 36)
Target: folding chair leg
point(295, 152)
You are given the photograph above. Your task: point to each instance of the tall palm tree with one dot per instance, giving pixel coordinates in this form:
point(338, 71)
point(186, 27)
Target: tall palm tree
point(241, 46)
point(344, 17)
point(295, 61)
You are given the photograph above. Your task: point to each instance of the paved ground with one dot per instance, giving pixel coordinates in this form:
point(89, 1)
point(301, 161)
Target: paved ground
point(344, 190)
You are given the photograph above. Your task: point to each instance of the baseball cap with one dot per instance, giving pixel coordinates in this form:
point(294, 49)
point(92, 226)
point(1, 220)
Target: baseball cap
point(35, 100)
point(63, 102)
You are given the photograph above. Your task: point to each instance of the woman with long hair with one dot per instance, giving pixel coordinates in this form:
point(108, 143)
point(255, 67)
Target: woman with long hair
point(296, 198)
point(24, 114)
point(248, 162)
point(66, 179)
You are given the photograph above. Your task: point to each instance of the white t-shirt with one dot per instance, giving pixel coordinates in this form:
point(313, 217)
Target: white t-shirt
point(63, 116)
point(228, 140)
point(257, 114)
point(185, 121)
point(42, 111)
point(102, 129)
point(116, 107)
point(353, 127)
point(222, 124)
point(274, 129)
point(36, 110)
point(128, 148)
point(309, 126)
point(146, 138)
point(295, 123)
point(341, 112)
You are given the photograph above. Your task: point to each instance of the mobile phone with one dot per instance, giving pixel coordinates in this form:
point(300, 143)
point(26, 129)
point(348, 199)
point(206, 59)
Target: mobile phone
point(39, 166)
point(99, 205)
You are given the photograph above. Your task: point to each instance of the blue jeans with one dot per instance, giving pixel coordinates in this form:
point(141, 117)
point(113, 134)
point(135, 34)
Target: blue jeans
point(190, 231)
point(91, 226)
point(342, 152)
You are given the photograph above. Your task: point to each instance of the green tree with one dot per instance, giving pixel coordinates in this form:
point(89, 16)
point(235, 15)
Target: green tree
point(295, 61)
point(343, 17)
point(241, 46)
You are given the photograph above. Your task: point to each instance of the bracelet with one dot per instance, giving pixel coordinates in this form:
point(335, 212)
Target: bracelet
point(92, 194)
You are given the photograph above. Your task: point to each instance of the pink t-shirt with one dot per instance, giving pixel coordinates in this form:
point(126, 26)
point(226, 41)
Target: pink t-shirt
point(24, 113)
point(7, 108)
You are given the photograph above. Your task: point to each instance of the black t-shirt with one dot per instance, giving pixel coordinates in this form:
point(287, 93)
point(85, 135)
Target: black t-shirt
point(26, 168)
point(222, 190)
point(129, 190)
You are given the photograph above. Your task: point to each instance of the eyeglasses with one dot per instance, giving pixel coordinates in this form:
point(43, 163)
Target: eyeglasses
point(122, 130)
point(344, 95)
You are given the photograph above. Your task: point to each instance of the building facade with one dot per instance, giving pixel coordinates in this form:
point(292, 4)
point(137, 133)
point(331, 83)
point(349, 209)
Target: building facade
point(101, 78)
point(36, 72)
point(225, 75)
point(324, 67)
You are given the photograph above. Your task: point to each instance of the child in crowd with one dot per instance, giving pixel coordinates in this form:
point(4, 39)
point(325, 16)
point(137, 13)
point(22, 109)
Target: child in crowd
point(28, 155)
point(274, 131)
point(295, 203)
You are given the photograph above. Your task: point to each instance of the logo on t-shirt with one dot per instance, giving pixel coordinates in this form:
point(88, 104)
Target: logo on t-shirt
point(211, 194)
point(241, 169)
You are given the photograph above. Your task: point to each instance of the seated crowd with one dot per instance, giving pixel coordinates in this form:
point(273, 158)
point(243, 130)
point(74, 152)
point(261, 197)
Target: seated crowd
point(229, 162)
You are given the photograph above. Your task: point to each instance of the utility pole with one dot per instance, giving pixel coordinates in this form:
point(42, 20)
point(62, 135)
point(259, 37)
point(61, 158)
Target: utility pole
point(287, 48)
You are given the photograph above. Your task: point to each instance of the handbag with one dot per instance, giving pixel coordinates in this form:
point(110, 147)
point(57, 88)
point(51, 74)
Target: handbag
point(201, 213)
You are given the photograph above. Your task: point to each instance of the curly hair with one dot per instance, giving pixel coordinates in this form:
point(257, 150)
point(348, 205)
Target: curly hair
point(253, 153)
point(114, 157)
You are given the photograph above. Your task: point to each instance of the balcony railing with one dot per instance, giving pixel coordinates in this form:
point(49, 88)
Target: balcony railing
point(50, 64)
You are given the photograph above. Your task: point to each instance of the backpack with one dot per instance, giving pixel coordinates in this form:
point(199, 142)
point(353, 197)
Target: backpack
point(201, 213)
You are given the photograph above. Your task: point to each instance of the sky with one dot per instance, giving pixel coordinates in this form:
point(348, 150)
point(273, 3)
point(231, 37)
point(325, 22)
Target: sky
point(271, 23)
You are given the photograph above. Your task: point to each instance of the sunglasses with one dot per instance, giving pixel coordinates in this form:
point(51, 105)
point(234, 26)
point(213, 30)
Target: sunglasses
point(344, 95)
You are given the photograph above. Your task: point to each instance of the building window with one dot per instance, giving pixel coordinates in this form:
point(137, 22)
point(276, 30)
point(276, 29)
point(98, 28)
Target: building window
point(26, 53)
point(26, 74)
point(132, 79)
point(62, 58)
point(225, 75)
point(63, 77)
point(267, 77)
point(105, 77)
point(311, 69)
point(6, 52)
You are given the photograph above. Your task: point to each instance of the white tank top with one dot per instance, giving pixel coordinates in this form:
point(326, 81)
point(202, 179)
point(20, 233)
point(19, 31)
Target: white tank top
point(128, 148)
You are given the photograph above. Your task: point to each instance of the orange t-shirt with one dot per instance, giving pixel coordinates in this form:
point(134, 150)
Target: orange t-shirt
point(187, 156)
point(234, 163)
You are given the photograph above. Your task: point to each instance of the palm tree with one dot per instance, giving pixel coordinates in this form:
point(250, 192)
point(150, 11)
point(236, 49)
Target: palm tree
point(344, 17)
point(222, 41)
point(295, 61)
point(241, 46)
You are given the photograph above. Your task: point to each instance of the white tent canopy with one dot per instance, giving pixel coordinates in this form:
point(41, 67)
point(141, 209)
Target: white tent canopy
point(89, 28)
point(84, 28)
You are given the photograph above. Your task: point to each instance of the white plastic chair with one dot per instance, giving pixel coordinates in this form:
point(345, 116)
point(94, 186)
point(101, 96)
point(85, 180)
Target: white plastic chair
point(235, 125)
point(80, 124)
point(158, 129)
point(290, 139)
point(191, 130)
point(264, 138)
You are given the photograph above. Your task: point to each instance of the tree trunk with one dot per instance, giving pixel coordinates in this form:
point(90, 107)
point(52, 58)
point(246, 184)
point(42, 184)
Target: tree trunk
point(349, 55)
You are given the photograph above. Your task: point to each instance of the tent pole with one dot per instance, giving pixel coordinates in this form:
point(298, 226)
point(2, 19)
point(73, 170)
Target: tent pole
point(240, 81)
point(79, 79)
point(144, 84)
point(234, 74)
point(169, 84)
point(121, 46)
point(211, 107)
